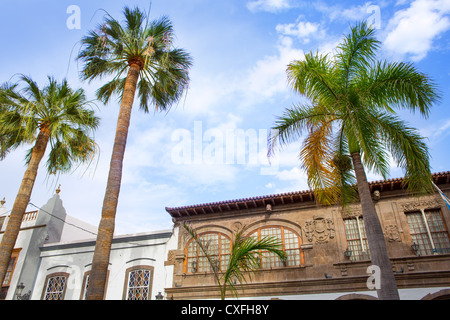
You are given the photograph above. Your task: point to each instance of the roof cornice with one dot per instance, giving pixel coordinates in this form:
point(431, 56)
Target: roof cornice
point(284, 198)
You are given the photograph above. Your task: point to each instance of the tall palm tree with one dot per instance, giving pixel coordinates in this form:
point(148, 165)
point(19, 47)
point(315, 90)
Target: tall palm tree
point(245, 258)
point(139, 56)
point(351, 126)
point(55, 115)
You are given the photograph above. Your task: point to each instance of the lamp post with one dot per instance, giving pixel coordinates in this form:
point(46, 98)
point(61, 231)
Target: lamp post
point(19, 290)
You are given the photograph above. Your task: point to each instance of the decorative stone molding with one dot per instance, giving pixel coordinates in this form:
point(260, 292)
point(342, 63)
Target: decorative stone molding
point(237, 226)
point(426, 202)
point(320, 228)
point(173, 256)
point(351, 211)
point(392, 233)
point(184, 237)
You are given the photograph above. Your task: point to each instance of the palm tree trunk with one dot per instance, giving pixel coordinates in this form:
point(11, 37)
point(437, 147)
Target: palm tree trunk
point(375, 238)
point(22, 199)
point(100, 262)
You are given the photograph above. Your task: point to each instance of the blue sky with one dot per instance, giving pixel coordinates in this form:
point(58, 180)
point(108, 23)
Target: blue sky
point(238, 86)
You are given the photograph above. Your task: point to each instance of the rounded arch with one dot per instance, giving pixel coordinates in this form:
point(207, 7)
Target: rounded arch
point(289, 237)
point(443, 294)
point(214, 228)
point(356, 296)
point(216, 243)
point(275, 222)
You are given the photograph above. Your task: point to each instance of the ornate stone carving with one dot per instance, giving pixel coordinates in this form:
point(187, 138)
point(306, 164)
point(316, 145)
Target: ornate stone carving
point(351, 211)
point(416, 204)
point(392, 233)
point(184, 236)
point(320, 228)
point(237, 226)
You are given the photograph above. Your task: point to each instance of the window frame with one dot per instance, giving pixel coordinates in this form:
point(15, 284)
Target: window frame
point(128, 272)
point(10, 270)
point(187, 268)
point(283, 240)
point(360, 240)
point(47, 280)
point(428, 235)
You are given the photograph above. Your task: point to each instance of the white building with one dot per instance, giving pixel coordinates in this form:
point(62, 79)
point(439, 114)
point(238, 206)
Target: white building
point(53, 255)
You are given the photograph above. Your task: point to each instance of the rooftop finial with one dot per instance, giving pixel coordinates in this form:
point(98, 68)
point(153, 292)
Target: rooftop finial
point(58, 190)
point(2, 202)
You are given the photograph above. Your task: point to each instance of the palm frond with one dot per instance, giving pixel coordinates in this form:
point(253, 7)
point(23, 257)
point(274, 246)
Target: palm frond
point(313, 77)
point(356, 53)
point(409, 150)
point(245, 258)
point(400, 85)
point(110, 51)
point(289, 127)
point(64, 111)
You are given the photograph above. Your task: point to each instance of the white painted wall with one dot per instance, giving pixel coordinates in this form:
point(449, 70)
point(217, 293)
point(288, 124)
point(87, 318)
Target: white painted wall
point(127, 251)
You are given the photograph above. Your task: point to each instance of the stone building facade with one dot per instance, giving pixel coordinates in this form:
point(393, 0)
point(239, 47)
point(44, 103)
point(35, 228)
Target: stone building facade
point(328, 256)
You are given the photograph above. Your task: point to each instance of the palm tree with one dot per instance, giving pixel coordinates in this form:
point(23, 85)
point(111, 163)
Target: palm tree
point(55, 115)
point(139, 56)
point(351, 124)
point(245, 258)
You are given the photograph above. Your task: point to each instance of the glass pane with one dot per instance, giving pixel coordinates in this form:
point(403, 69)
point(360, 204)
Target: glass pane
point(419, 233)
point(438, 231)
point(138, 284)
point(356, 243)
point(55, 288)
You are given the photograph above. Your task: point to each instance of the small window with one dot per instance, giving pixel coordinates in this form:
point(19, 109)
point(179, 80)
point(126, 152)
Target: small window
point(428, 230)
point(9, 273)
point(55, 287)
point(139, 283)
point(2, 220)
point(85, 285)
point(11, 267)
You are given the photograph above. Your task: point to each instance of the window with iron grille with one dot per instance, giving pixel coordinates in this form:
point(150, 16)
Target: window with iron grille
point(428, 230)
point(55, 287)
point(139, 283)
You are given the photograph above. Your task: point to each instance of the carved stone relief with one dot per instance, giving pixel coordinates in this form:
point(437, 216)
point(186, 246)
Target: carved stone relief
point(351, 211)
point(415, 204)
point(392, 233)
point(320, 229)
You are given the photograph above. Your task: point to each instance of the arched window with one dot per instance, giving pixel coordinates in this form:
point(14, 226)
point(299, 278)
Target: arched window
point(291, 243)
point(55, 286)
point(218, 247)
point(138, 283)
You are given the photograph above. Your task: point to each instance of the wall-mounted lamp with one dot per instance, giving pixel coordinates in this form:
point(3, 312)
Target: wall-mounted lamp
point(194, 265)
point(415, 248)
point(19, 295)
point(348, 253)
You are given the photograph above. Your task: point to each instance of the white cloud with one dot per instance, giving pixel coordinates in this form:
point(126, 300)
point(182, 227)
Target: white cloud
point(437, 132)
point(268, 76)
point(293, 180)
point(303, 30)
point(413, 30)
point(354, 13)
point(268, 5)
